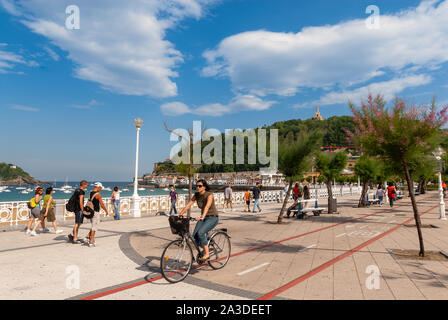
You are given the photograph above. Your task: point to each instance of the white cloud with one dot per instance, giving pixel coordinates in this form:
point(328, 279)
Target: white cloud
point(23, 108)
point(93, 103)
point(174, 109)
point(9, 59)
point(53, 55)
point(389, 90)
point(333, 56)
point(239, 103)
point(120, 44)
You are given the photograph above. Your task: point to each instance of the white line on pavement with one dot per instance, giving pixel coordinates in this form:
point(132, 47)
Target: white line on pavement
point(252, 269)
point(340, 235)
point(304, 249)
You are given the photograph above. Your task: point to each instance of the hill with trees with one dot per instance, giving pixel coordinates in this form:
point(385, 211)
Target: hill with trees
point(13, 175)
point(333, 132)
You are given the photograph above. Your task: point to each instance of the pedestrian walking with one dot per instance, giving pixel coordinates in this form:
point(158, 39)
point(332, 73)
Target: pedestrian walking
point(34, 206)
point(173, 197)
point(391, 194)
point(247, 198)
point(228, 193)
point(256, 192)
point(97, 200)
point(116, 202)
point(209, 216)
point(380, 194)
point(444, 189)
point(47, 212)
point(77, 201)
point(306, 196)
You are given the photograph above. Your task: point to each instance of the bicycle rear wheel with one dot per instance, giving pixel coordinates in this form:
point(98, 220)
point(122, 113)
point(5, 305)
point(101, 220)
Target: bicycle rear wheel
point(176, 260)
point(220, 248)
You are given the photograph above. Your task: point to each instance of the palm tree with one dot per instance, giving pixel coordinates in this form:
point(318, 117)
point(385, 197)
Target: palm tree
point(368, 169)
point(294, 159)
point(330, 166)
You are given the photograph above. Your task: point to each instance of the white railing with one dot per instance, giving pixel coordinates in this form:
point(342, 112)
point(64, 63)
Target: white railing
point(17, 212)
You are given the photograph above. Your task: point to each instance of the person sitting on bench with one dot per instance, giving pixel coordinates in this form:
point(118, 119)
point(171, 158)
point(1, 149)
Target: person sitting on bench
point(295, 207)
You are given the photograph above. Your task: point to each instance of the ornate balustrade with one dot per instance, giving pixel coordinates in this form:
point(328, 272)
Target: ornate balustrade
point(16, 213)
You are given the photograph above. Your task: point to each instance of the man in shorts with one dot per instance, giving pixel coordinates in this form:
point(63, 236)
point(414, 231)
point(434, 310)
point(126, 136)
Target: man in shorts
point(97, 200)
point(79, 208)
point(228, 197)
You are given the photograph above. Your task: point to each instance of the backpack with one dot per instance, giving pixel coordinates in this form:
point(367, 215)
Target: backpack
point(30, 203)
point(89, 208)
point(71, 204)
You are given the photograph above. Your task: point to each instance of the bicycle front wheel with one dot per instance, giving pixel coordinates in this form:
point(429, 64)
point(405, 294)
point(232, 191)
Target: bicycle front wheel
point(219, 247)
point(176, 260)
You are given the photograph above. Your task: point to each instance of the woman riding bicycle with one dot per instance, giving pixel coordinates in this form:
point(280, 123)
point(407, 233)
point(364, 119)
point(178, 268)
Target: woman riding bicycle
point(209, 215)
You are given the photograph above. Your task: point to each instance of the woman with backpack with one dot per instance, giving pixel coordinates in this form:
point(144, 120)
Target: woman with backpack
point(47, 211)
point(97, 202)
point(34, 205)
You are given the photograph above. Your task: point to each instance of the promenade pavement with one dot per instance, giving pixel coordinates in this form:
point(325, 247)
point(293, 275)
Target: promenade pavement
point(332, 256)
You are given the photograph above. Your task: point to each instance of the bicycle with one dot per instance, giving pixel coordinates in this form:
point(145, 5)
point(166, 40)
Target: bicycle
point(177, 258)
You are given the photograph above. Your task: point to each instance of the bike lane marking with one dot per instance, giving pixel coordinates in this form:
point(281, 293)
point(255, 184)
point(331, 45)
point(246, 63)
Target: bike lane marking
point(149, 280)
point(253, 269)
point(331, 262)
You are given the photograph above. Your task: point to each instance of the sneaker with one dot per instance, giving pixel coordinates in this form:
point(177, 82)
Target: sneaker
point(70, 238)
point(58, 231)
point(92, 244)
point(86, 240)
point(259, 210)
point(46, 230)
point(33, 233)
point(28, 231)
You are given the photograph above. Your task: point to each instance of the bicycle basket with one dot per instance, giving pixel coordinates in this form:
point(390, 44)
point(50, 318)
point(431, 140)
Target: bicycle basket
point(179, 225)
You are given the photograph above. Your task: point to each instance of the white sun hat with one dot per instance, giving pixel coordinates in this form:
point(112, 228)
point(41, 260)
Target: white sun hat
point(98, 185)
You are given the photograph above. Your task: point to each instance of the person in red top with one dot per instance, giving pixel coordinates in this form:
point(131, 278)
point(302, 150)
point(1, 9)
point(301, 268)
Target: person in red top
point(444, 189)
point(297, 192)
point(391, 193)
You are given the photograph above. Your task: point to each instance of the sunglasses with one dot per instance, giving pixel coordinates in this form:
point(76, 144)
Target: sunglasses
point(199, 186)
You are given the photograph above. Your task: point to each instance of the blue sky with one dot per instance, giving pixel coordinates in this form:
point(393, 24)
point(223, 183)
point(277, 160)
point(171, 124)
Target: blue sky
point(68, 97)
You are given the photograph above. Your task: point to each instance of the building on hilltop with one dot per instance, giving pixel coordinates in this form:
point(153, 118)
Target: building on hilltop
point(317, 116)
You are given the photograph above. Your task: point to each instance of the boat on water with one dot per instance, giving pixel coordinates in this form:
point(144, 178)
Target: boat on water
point(20, 188)
point(125, 190)
point(141, 189)
point(166, 189)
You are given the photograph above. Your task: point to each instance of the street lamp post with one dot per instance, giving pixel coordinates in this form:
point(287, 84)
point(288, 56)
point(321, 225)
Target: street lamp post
point(135, 209)
point(437, 155)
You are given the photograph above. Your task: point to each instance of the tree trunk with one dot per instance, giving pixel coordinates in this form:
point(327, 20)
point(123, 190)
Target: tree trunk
point(285, 202)
point(330, 197)
point(414, 207)
point(362, 201)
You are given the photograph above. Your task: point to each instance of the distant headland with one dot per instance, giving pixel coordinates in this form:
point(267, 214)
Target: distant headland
point(11, 174)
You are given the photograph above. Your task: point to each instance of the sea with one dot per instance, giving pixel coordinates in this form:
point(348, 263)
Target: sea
point(26, 192)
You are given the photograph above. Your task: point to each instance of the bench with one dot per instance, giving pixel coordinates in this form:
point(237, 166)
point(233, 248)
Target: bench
point(315, 211)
